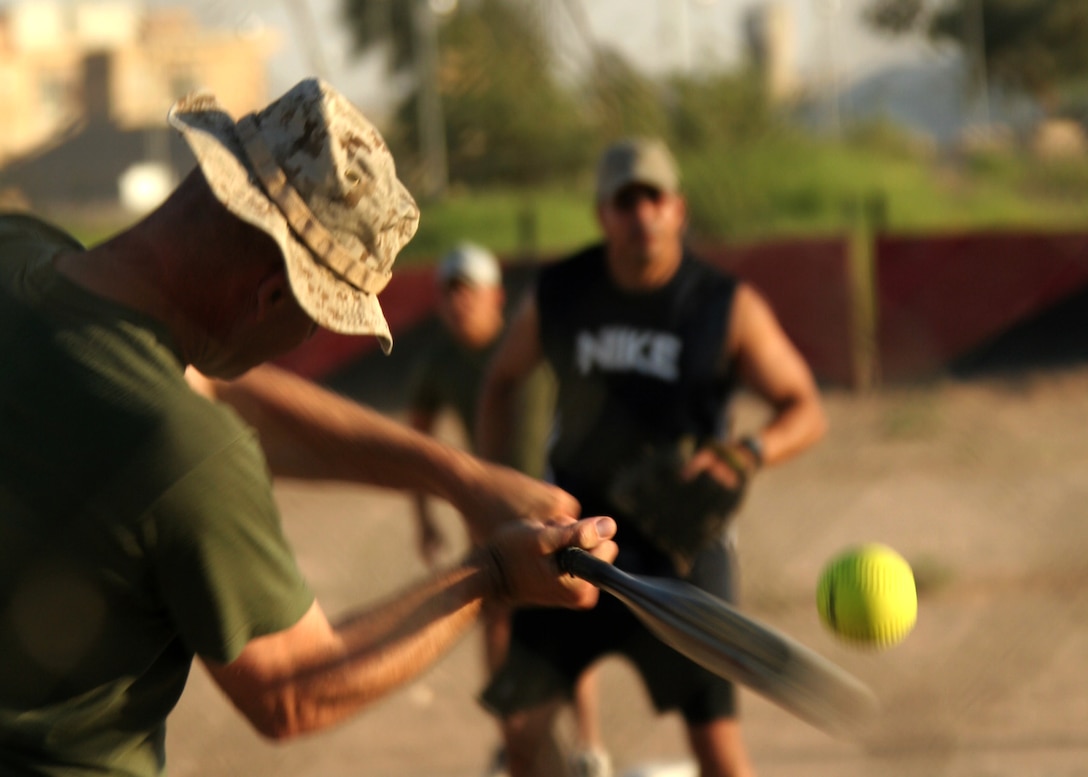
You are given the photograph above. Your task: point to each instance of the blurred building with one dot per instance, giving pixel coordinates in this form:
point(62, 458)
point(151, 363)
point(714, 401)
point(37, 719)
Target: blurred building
point(85, 87)
point(771, 41)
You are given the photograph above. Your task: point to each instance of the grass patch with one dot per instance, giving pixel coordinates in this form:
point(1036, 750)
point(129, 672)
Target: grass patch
point(511, 223)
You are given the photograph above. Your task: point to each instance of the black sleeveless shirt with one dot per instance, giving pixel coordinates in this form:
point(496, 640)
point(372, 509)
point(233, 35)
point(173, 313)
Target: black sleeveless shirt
point(635, 369)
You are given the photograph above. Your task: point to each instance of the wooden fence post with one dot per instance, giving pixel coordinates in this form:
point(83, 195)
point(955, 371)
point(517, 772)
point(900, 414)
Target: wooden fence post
point(864, 220)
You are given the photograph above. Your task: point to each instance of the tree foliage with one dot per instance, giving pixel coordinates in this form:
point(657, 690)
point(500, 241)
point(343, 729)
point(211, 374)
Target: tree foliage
point(1036, 46)
point(511, 118)
point(621, 101)
point(720, 108)
point(894, 16)
point(382, 22)
point(507, 116)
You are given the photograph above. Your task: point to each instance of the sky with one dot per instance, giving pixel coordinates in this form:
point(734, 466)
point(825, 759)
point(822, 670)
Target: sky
point(657, 35)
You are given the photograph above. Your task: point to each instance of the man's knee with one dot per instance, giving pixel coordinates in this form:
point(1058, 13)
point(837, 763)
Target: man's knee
point(531, 749)
point(719, 748)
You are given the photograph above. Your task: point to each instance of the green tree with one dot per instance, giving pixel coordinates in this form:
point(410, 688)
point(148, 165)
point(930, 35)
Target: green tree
point(1036, 46)
point(894, 16)
point(506, 116)
point(720, 108)
point(620, 100)
point(382, 22)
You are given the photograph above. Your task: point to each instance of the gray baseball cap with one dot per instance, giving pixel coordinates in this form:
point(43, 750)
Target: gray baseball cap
point(644, 161)
point(471, 264)
point(313, 173)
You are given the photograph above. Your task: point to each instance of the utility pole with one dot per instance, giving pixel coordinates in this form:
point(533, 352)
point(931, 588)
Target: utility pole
point(683, 12)
point(830, 11)
point(429, 114)
point(975, 34)
point(311, 44)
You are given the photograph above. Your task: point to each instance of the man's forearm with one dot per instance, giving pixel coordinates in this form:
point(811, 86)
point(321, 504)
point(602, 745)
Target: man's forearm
point(387, 647)
point(313, 675)
point(353, 664)
point(389, 644)
point(796, 427)
point(309, 432)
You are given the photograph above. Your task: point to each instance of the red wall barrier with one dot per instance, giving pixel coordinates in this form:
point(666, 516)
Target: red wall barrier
point(940, 297)
point(937, 298)
point(808, 285)
point(409, 298)
point(804, 280)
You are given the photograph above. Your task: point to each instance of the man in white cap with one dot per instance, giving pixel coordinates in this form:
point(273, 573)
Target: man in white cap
point(647, 344)
point(450, 370)
point(448, 376)
point(137, 522)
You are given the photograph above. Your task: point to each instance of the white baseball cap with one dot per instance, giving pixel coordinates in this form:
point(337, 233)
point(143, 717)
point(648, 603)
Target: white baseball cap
point(471, 264)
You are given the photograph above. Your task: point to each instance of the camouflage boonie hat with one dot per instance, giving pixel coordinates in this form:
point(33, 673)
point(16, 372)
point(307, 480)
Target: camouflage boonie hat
point(313, 173)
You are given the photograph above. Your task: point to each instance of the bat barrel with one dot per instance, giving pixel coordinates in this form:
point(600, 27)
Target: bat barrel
point(730, 644)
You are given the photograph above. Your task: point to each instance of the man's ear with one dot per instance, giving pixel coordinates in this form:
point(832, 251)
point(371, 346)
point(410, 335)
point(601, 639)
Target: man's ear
point(682, 204)
point(272, 292)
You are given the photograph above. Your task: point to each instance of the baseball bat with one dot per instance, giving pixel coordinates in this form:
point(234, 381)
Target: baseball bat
point(732, 645)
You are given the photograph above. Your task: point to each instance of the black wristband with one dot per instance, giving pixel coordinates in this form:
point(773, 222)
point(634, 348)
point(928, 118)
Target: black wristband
point(755, 447)
point(734, 460)
point(491, 564)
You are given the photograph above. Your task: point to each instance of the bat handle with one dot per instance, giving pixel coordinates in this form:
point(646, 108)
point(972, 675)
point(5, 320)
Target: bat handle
point(576, 562)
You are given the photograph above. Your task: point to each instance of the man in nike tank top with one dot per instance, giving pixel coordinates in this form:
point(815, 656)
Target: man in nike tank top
point(447, 377)
point(647, 343)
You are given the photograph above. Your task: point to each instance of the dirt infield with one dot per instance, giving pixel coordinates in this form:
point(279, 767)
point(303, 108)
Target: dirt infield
point(983, 486)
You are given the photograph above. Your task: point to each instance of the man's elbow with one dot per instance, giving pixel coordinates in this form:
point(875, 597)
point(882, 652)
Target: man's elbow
point(275, 716)
point(284, 717)
point(807, 417)
point(818, 423)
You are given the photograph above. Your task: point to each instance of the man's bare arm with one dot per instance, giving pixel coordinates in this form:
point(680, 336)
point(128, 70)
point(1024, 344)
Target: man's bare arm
point(309, 432)
point(314, 674)
point(772, 367)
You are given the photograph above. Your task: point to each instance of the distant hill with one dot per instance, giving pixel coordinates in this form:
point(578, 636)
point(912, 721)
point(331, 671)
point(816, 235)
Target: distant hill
point(927, 97)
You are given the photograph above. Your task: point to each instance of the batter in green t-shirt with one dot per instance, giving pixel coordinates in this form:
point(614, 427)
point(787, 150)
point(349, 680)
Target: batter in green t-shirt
point(137, 523)
point(146, 535)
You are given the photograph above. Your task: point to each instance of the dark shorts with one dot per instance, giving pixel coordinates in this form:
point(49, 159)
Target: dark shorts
point(550, 648)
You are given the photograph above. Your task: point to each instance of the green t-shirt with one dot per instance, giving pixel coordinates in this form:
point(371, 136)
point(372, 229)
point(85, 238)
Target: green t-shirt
point(449, 375)
point(137, 525)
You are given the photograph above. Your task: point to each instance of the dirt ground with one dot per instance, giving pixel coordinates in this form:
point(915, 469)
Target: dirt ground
point(982, 485)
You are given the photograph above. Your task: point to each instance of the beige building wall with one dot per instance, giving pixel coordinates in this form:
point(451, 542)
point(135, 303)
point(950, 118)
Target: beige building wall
point(772, 47)
point(147, 59)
